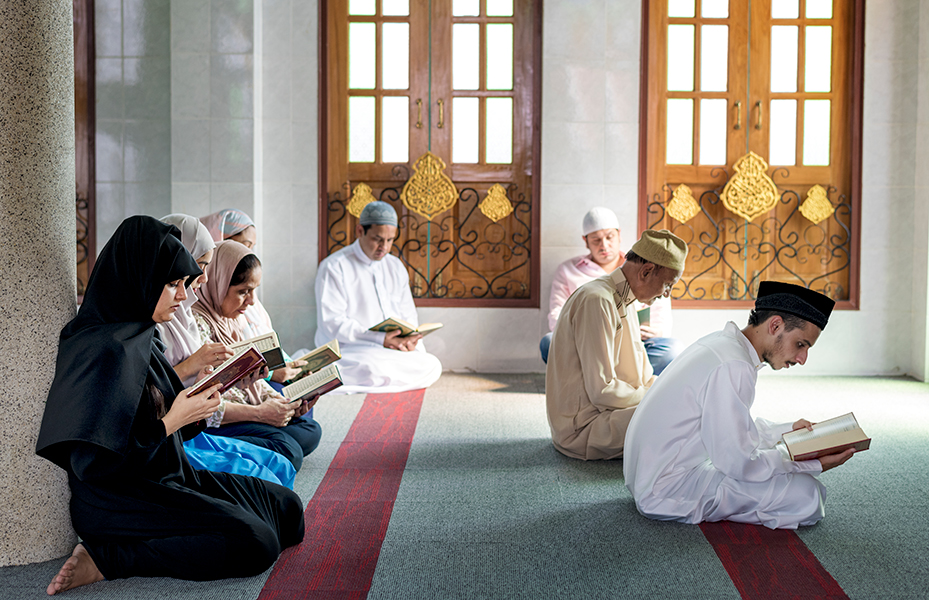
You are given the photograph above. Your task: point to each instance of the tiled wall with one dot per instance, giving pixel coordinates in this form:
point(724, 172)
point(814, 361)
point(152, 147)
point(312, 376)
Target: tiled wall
point(242, 132)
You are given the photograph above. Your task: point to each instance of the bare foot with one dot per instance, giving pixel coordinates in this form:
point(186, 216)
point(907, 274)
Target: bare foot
point(78, 570)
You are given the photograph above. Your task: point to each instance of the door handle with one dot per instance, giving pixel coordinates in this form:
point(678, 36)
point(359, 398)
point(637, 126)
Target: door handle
point(419, 113)
point(441, 123)
point(738, 114)
point(758, 120)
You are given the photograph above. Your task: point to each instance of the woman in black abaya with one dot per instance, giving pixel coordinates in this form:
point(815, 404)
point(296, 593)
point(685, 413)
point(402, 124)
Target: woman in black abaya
point(115, 420)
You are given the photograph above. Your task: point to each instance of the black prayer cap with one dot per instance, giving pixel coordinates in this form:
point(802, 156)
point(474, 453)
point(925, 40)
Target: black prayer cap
point(795, 300)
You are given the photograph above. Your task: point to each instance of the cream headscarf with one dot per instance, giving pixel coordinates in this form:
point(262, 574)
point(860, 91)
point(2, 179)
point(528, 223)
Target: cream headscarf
point(180, 333)
point(212, 293)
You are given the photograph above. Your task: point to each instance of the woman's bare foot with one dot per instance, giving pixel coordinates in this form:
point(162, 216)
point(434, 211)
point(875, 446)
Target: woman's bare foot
point(78, 570)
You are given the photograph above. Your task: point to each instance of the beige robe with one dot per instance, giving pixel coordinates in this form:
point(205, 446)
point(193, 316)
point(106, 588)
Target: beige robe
point(598, 370)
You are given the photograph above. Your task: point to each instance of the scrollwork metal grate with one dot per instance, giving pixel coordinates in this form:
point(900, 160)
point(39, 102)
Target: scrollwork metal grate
point(729, 256)
point(460, 254)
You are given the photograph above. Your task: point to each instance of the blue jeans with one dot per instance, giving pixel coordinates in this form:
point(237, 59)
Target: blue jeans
point(293, 442)
point(544, 345)
point(661, 351)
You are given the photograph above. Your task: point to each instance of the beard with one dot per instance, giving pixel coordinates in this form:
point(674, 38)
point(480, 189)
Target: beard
point(768, 354)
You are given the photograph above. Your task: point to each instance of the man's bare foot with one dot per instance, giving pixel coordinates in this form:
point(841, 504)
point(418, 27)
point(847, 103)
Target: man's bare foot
point(78, 570)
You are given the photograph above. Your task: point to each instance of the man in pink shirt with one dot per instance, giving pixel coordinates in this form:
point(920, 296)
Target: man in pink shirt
point(601, 236)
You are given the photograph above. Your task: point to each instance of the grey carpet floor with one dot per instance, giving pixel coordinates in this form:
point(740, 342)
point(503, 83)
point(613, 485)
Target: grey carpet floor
point(488, 509)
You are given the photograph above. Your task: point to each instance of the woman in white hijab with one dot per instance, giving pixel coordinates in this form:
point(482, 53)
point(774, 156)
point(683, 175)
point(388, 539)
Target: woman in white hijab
point(185, 352)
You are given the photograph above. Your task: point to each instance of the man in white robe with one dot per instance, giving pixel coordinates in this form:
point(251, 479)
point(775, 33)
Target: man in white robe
point(358, 287)
point(693, 452)
point(598, 369)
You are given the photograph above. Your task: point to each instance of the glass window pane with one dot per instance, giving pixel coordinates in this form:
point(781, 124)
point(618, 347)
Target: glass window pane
point(784, 58)
point(818, 9)
point(816, 132)
point(713, 131)
point(680, 140)
point(361, 55)
point(680, 58)
point(466, 56)
point(362, 7)
point(714, 58)
point(466, 8)
point(681, 8)
point(395, 54)
point(499, 8)
point(783, 133)
point(395, 129)
point(465, 129)
point(785, 9)
point(499, 56)
point(395, 8)
point(499, 131)
point(714, 9)
point(361, 129)
point(817, 71)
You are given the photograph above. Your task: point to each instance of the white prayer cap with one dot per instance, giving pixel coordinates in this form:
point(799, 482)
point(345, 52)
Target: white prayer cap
point(378, 213)
point(600, 218)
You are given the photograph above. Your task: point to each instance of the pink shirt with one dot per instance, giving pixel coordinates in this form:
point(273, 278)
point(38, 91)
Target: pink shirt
point(575, 272)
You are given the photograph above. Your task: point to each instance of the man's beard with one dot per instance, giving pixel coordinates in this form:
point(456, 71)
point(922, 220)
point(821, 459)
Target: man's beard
point(778, 344)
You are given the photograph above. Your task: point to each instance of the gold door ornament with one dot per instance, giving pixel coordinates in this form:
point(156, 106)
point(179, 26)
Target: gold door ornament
point(429, 191)
point(496, 205)
point(750, 192)
point(817, 207)
point(683, 207)
point(361, 197)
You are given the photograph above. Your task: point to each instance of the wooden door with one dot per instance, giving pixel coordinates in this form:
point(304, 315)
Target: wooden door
point(752, 143)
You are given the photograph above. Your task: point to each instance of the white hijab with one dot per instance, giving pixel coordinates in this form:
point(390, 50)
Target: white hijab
point(180, 334)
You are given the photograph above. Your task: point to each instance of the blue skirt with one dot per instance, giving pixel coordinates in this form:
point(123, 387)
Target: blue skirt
point(229, 455)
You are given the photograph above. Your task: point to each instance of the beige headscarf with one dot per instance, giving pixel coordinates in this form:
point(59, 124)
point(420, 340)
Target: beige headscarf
point(225, 330)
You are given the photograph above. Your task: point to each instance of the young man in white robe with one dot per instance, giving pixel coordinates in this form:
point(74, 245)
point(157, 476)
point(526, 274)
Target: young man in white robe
point(358, 287)
point(693, 451)
point(598, 369)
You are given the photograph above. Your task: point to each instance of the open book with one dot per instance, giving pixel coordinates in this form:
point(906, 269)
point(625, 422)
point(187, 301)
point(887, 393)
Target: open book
point(245, 360)
point(314, 385)
point(317, 359)
point(404, 327)
point(828, 437)
point(269, 346)
point(645, 315)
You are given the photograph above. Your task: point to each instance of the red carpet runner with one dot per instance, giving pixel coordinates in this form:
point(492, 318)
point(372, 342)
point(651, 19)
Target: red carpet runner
point(347, 518)
point(766, 564)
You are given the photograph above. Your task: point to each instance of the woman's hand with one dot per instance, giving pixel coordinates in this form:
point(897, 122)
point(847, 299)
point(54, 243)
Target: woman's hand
point(256, 375)
point(305, 407)
point(209, 355)
point(190, 409)
point(288, 371)
point(803, 424)
point(275, 411)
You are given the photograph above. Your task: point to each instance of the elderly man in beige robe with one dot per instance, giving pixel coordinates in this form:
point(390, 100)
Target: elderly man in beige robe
point(598, 370)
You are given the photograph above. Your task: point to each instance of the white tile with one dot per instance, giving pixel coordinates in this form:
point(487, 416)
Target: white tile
point(305, 153)
point(232, 195)
point(110, 92)
point(509, 340)
point(304, 215)
point(146, 27)
point(276, 87)
point(574, 90)
point(190, 26)
point(190, 199)
point(277, 150)
point(190, 86)
point(190, 150)
point(109, 150)
point(624, 201)
point(277, 272)
point(563, 210)
point(887, 154)
point(572, 153)
point(575, 28)
point(108, 28)
point(622, 92)
point(232, 26)
point(623, 29)
point(621, 153)
point(892, 30)
point(232, 86)
point(147, 150)
point(231, 150)
point(276, 20)
point(457, 344)
point(148, 92)
point(148, 198)
point(304, 275)
point(277, 210)
point(111, 210)
point(891, 90)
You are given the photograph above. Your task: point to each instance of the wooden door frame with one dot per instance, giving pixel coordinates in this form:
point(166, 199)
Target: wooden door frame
point(856, 101)
point(85, 124)
point(534, 163)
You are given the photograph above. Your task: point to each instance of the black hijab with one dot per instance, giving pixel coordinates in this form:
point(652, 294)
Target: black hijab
point(111, 348)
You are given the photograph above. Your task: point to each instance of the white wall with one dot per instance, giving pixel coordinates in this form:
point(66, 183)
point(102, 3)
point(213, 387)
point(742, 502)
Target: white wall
point(260, 60)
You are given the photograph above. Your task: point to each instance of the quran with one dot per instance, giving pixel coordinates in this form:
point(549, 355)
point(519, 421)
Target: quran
point(405, 328)
point(314, 385)
point(827, 437)
point(270, 347)
point(245, 360)
point(317, 359)
point(644, 315)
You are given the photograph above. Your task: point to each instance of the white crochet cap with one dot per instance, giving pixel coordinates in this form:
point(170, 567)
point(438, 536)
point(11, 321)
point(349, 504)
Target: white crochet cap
point(600, 218)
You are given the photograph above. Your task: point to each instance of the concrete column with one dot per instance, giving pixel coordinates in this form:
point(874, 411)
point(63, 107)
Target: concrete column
point(37, 265)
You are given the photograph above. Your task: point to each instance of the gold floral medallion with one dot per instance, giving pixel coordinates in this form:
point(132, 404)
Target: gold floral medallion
point(496, 205)
point(361, 197)
point(750, 192)
point(817, 207)
point(429, 191)
point(683, 207)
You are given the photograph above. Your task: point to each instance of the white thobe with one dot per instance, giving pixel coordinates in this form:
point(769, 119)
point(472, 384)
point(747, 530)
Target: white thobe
point(354, 293)
point(693, 452)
